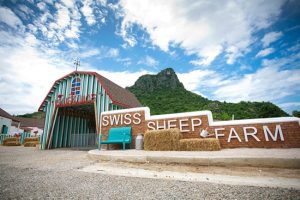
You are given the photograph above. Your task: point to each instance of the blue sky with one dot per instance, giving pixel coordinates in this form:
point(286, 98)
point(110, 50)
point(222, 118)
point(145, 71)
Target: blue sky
point(224, 50)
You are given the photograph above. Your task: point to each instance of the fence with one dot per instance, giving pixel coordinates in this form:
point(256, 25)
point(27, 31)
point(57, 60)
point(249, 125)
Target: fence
point(77, 140)
point(83, 139)
point(3, 136)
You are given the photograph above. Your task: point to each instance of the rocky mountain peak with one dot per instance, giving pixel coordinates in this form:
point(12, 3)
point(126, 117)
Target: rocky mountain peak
point(165, 79)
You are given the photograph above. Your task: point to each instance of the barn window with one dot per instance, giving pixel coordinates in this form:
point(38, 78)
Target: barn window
point(75, 88)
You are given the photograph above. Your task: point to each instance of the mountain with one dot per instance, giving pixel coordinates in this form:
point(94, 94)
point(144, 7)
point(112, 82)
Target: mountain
point(163, 93)
point(164, 80)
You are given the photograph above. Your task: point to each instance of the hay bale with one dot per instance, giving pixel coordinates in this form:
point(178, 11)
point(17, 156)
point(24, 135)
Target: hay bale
point(10, 139)
point(197, 144)
point(30, 144)
point(31, 139)
point(162, 140)
point(11, 143)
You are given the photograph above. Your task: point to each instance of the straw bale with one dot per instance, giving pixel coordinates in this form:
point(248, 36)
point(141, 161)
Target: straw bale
point(11, 143)
point(30, 144)
point(162, 140)
point(31, 139)
point(7, 141)
point(10, 139)
point(197, 144)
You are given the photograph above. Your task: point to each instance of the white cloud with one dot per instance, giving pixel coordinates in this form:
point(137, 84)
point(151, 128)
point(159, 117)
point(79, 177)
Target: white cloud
point(29, 70)
point(204, 28)
point(270, 38)
point(269, 83)
point(289, 104)
point(202, 80)
point(68, 3)
point(42, 6)
point(72, 45)
point(49, 1)
point(44, 18)
point(193, 80)
point(130, 41)
point(27, 73)
point(8, 17)
point(87, 11)
point(233, 53)
point(280, 62)
point(112, 52)
point(102, 52)
point(265, 52)
point(24, 12)
point(295, 47)
point(209, 53)
point(60, 23)
point(245, 67)
point(72, 33)
point(31, 40)
point(118, 77)
point(149, 61)
point(125, 61)
point(102, 2)
point(89, 53)
point(63, 18)
point(7, 39)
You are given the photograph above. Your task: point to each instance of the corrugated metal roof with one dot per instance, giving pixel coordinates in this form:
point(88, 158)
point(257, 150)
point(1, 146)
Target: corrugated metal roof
point(31, 122)
point(5, 114)
point(118, 94)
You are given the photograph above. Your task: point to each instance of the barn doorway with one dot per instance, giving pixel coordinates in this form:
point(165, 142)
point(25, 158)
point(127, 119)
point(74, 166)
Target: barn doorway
point(74, 127)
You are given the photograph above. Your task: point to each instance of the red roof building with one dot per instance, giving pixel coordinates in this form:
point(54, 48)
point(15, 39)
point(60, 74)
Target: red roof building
point(74, 104)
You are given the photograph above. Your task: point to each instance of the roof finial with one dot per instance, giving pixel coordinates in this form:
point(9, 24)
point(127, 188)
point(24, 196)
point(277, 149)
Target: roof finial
point(76, 63)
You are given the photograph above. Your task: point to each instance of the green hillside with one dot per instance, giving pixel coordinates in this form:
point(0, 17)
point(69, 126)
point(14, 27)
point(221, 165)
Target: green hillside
point(164, 93)
point(35, 115)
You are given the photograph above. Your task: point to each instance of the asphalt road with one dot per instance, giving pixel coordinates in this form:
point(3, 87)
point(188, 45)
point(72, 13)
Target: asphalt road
point(29, 173)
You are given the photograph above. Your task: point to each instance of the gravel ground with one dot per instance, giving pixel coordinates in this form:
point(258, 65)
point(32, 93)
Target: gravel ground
point(28, 173)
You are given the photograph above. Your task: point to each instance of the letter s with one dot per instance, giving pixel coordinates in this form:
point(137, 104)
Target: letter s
point(105, 120)
point(137, 118)
point(151, 127)
point(127, 119)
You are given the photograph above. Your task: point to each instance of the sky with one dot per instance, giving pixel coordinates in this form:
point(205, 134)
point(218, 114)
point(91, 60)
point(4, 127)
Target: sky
point(231, 50)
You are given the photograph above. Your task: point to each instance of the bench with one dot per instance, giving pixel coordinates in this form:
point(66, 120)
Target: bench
point(119, 135)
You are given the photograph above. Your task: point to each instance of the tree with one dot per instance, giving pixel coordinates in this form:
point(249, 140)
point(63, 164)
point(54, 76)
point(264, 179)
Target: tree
point(296, 113)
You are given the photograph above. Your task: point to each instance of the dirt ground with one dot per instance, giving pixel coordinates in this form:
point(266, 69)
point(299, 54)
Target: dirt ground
point(29, 173)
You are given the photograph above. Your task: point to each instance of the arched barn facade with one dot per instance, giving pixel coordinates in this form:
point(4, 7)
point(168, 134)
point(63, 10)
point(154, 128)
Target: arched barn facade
point(73, 107)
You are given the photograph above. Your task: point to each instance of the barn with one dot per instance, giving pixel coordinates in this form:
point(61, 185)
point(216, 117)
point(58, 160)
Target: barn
point(73, 107)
